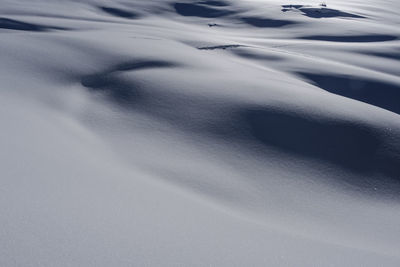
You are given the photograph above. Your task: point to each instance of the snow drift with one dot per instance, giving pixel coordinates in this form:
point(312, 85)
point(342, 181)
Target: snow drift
point(199, 133)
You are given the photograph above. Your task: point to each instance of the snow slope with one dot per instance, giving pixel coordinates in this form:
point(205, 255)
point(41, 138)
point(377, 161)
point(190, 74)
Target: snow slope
point(199, 133)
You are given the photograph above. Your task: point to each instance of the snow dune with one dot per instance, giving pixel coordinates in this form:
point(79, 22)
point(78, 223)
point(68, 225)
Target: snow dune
point(199, 133)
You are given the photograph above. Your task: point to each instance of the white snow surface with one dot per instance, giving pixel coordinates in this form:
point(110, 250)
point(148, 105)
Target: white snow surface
point(199, 133)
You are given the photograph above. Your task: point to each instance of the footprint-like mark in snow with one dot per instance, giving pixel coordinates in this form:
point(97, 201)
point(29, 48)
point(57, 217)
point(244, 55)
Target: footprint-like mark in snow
point(223, 47)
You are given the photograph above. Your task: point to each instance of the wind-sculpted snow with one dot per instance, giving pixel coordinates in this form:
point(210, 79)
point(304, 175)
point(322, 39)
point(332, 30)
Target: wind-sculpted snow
point(266, 23)
point(119, 12)
point(352, 39)
point(379, 93)
point(202, 9)
point(199, 133)
point(11, 24)
point(118, 89)
point(319, 12)
point(347, 144)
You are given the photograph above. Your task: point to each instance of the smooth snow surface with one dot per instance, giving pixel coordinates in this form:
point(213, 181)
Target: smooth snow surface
point(199, 133)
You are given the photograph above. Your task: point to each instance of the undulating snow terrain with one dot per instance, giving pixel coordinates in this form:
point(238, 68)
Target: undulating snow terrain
point(199, 133)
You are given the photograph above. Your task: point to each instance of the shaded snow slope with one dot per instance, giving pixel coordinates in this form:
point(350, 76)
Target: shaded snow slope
point(199, 133)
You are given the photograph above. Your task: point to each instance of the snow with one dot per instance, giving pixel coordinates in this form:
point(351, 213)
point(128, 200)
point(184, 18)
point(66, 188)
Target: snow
point(199, 133)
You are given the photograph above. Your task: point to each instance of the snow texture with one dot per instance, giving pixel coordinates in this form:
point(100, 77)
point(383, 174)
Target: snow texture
point(199, 133)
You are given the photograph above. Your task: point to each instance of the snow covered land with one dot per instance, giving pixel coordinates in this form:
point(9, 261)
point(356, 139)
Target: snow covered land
point(199, 133)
